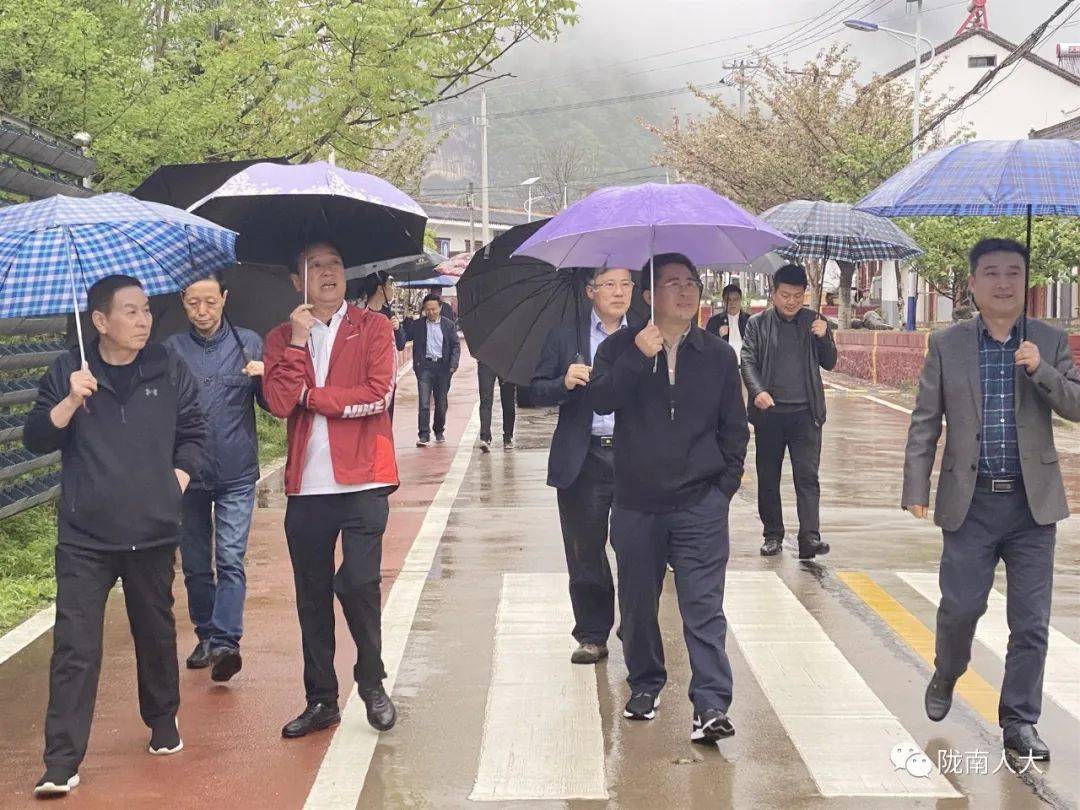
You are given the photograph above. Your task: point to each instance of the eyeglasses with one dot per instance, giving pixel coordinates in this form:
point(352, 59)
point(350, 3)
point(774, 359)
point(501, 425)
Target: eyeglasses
point(680, 285)
point(611, 286)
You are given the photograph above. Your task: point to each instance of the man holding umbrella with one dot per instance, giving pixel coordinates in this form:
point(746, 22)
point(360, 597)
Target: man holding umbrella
point(784, 349)
point(131, 436)
point(330, 370)
point(680, 442)
point(581, 465)
point(1000, 494)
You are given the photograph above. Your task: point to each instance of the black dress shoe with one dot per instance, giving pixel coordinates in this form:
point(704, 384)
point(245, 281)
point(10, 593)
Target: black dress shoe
point(1026, 742)
point(811, 549)
point(771, 547)
point(315, 717)
point(381, 713)
point(938, 699)
point(226, 662)
point(200, 656)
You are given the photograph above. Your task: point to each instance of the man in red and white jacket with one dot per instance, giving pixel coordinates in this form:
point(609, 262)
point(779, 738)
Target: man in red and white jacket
point(330, 371)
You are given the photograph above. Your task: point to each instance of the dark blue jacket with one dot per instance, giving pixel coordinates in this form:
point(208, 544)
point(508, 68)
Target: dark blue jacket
point(227, 397)
point(451, 346)
point(570, 443)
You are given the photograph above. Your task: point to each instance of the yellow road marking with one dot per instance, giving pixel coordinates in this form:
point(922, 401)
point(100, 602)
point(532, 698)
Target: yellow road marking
point(972, 687)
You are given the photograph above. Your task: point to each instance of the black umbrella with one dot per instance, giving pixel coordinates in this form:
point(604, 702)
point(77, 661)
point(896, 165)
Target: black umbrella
point(181, 184)
point(507, 305)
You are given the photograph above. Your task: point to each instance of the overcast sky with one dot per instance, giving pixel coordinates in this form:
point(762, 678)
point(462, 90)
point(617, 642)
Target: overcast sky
point(635, 38)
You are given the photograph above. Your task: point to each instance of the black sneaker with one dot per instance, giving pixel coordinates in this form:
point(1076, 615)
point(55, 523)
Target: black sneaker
point(423, 442)
point(812, 548)
point(485, 446)
point(315, 717)
point(508, 443)
point(381, 714)
point(771, 547)
point(165, 738)
point(226, 662)
point(641, 706)
point(440, 438)
point(709, 726)
point(56, 782)
point(200, 656)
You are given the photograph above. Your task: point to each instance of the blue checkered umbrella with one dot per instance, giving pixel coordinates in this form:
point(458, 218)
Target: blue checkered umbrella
point(826, 230)
point(52, 251)
point(985, 179)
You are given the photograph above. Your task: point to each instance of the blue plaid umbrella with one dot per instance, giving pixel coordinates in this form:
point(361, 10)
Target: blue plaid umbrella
point(826, 230)
point(986, 179)
point(52, 251)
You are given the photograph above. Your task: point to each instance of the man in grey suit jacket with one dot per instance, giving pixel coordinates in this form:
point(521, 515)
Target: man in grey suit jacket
point(1000, 493)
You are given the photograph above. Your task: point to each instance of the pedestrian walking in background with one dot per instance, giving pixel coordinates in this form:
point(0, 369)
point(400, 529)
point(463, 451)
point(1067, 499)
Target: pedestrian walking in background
point(331, 370)
point(784, 349)
point(730, 325)
point(1000, 493)
point(680, 444)
point(581, 464)
point(487, 377)
point(436, 352)
point(377, 291)
point(220, 500)
point(131, 436)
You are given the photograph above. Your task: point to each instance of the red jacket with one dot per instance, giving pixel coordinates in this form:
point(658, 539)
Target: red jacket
point(358, 390)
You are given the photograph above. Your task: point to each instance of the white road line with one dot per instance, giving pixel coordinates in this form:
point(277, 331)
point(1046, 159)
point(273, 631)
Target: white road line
point(543, 737)
point(15, 640)
point(1061, 680)
point(345, 765)
point(874, 399)
point(841, 729)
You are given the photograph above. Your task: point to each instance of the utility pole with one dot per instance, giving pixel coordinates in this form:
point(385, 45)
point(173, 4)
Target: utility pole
point(485, 214)
point(564, 196)
point(740, 68)
point(472, 217)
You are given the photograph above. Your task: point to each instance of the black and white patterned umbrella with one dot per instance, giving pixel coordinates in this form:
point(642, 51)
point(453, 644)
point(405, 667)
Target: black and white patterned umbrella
point(827, 230)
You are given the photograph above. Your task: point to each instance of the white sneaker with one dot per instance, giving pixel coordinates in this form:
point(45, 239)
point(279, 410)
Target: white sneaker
point(485, 447)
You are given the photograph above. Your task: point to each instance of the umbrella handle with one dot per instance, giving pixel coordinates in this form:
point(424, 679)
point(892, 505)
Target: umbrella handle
point(75, 296)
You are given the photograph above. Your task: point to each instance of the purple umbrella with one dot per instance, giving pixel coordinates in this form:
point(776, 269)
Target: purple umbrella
point(624, 226)
point(276, 208)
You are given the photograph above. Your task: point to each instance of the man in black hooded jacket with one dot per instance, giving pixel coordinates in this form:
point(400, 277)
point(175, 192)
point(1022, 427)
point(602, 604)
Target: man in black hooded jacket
point(130, 433)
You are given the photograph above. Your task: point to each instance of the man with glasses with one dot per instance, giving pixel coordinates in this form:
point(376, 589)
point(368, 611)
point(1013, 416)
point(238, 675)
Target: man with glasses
point(680, 443)
point(784, 349)
point(581, 462)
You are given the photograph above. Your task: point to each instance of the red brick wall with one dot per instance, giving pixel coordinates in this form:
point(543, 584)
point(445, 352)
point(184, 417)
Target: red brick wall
point(891, 358)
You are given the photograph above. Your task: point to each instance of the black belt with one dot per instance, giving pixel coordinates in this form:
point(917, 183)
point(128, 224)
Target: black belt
point(602, 441)
point(999, 485)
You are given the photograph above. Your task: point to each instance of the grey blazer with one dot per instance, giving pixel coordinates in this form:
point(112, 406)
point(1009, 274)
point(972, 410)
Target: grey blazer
point(950, 388)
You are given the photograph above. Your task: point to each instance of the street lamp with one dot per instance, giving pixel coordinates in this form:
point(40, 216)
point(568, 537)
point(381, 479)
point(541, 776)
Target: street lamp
point(916, 78)
point(528, 206)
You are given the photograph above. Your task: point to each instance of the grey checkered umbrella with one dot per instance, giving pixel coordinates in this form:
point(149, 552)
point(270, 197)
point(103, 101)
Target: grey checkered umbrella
point(825, 230)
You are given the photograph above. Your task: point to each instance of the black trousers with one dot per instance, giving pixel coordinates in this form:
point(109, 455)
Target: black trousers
point(432, 383)
point(83, 580)
point(312, 526)
point(998, 526)
point(798, 435)
point(695, 541)
point(585, 513)
point(507, 391)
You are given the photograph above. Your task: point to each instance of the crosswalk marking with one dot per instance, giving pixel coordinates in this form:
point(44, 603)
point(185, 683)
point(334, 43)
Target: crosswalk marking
point(1062, 679)
point(841, 729)
point(972, 687)
point(344, 767)
point(542, 732)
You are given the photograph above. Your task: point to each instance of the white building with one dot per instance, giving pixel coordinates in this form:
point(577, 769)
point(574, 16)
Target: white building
point(1031, 94)
point(457, 228)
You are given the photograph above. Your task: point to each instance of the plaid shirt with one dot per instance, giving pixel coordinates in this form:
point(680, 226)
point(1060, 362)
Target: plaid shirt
point(999, 455)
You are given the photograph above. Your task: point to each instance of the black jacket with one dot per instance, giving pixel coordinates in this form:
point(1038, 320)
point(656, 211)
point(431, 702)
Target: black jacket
point(118, 490)
point(721, 319)
point(570, 443)
point(400, 338)
point(671, 442)
point(451, 347)
point(760, 347)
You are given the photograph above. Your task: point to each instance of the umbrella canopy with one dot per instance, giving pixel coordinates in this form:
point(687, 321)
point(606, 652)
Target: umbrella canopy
point(827, 230)
point(181, 184)
point(402, 268)
point(276, 208)
point(623, 226)
point(455, 265)
point(435, 281)
point(765, 265)
point(509, 303)
point(54, 249)
point(984, 178)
